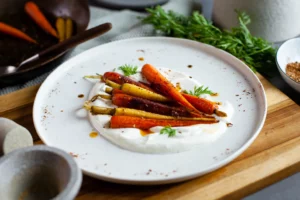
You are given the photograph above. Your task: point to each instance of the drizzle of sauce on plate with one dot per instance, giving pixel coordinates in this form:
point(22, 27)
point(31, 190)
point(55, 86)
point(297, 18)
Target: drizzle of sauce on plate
point(145, 132)
point(214, 94)
point(229, 124)
point(80, 95)
point(93, 134)
point(141, 59)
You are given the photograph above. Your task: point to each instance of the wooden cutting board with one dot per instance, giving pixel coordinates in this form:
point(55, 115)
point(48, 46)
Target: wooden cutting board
point(274, 155)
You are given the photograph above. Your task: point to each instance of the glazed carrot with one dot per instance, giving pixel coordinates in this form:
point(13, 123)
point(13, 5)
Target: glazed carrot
point(136, 91)
point(36, 14)
point(9, 30)
point(127, 101)
point(160, 83)
point(114, 91)
point(204, 105)
point(145, 124)
point(96, 110)
point(120, 79)
point(201, 104)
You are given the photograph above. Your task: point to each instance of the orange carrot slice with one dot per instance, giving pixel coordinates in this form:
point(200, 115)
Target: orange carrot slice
point(9, 30)
point(165, 87)
point(36, 14)
point(145, 124)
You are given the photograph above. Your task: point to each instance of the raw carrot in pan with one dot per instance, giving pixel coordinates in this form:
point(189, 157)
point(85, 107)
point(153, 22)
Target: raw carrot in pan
point(120, 79)
point(69, 28)
point(60, 26)
point(9, 30)
point(160, 83)
point(36, 14)
point(145, 124)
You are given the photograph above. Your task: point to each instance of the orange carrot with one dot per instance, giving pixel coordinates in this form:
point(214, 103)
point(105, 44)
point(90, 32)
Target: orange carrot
point(201, 104)
point(165, 87)
point(145, 124)
point(36, 14)
point(9, 30)
point(120, 79)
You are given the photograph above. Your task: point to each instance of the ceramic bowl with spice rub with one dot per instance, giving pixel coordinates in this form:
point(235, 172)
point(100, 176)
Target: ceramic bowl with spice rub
point(288, 62)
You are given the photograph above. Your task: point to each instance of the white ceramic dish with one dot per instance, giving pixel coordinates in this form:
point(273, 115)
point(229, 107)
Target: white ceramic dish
point(288, 52)
point(57, 124)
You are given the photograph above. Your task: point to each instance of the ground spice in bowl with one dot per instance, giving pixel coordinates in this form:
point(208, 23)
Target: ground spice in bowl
point(293, 71)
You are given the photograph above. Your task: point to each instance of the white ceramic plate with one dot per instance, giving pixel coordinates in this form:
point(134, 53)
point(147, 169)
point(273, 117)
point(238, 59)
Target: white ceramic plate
point(57, 102)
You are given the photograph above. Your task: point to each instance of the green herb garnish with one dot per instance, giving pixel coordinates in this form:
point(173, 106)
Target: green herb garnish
point(256, 52)
point(198, 91)
point(168, 130)
point(128, 69)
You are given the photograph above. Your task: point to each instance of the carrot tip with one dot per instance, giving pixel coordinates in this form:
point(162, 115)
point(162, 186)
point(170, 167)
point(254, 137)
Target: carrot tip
point(220, 113)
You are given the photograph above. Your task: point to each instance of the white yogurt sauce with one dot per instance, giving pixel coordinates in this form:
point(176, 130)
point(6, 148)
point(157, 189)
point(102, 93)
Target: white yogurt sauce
point(185, 139)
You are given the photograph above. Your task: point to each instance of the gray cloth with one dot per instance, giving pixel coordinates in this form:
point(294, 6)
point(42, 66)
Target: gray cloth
point(125, 25)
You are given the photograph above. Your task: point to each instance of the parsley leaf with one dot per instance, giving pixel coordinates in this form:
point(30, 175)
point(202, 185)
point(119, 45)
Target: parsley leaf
point(128, 69)
point(168, 130)
point(198, 91)
point(256, 52)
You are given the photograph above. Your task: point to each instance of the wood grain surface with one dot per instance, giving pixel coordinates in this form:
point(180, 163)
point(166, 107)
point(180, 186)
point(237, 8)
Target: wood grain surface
point(274, 155)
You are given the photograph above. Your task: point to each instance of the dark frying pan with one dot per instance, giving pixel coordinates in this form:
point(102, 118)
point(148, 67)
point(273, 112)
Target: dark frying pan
point(13, 50)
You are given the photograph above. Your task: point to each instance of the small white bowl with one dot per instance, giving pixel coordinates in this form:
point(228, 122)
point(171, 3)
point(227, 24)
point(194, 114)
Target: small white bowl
point(288, 52)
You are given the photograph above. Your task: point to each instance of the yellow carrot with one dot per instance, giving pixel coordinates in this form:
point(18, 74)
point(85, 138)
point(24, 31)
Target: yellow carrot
point(60, 26)
point(96, 110)
point(142, 92)
point(69, 28)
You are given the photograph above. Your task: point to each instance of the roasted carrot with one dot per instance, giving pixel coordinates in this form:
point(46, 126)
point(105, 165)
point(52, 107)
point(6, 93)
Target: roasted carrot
point(127, 101)
point(145, 124)
point(136, 91)
point(114, 91)
point(120, 79)
point(160, 83)
point(113, 84)
point(201, 104)
point(96, 110)
point(9, 30)
point(142, 92)
point(36, 14)
point(204, 105)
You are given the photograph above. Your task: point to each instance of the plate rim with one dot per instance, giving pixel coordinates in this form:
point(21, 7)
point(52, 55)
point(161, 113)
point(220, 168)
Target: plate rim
point(165, 180)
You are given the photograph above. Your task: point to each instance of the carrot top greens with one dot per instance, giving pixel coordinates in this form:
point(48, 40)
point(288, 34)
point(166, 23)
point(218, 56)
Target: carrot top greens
point(198, 91)
point(128, 69)
point(168, 130)
point(256, 52)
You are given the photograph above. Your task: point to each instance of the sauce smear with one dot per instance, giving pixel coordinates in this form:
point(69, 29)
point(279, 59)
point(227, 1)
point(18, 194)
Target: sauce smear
point(93, 134)
point(145, 132)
